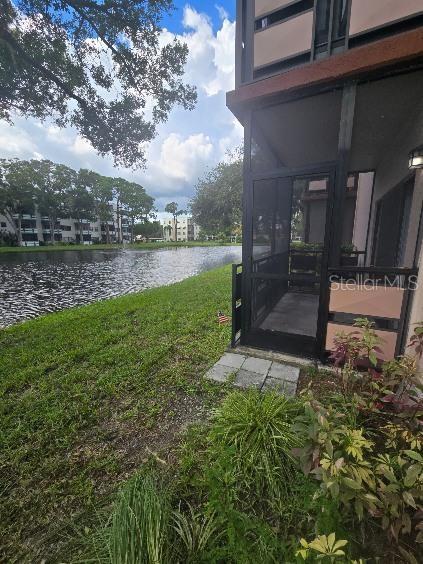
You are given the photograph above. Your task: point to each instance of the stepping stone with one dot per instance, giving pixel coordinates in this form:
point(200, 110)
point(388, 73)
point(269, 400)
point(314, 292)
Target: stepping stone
point(219, 373)
point(248, 379)
point(281, 386)
point(284, 372)
point(233, 360)
point(257, 365)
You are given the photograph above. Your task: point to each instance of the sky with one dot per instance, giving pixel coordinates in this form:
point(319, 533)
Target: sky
point(189, 142)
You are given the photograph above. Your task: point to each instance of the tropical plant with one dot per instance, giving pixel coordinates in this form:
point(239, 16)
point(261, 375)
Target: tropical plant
point(416, 341)
point(375, 469)
point(257, 427)
point(400, 491)
point(195, 532)
point(322, 548)
point(172, 208)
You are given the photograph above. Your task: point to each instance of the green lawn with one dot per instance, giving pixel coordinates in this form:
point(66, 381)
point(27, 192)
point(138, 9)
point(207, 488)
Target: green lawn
point(88, 394)
point(135, 246)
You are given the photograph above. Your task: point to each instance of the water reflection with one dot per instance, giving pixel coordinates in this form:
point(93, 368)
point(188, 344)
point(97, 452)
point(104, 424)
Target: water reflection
point(35, 283)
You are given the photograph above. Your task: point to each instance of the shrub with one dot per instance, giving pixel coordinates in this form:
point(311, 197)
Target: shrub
point(255, 427)
point(364, 449)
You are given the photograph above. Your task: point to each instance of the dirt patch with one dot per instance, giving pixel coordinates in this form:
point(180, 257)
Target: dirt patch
point(321, 382)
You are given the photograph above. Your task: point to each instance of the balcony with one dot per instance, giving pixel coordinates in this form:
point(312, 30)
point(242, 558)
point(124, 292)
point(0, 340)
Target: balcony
point(24, 216)
point(282, 34)
point(328, 240)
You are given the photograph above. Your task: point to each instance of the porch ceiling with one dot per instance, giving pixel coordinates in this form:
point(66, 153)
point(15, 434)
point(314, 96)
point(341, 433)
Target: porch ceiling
point(385, 110)
point(302, 132)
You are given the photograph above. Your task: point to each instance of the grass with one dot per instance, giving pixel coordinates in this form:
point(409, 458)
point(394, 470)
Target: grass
point(88, 394)
point(100, 247)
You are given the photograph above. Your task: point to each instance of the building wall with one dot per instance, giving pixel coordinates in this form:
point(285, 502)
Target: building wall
point(188, 230)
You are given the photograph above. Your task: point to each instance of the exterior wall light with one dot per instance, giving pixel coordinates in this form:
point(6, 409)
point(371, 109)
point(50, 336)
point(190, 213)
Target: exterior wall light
point(415, 158)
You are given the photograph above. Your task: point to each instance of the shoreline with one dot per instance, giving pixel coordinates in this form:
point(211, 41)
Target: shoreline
point(116, 247)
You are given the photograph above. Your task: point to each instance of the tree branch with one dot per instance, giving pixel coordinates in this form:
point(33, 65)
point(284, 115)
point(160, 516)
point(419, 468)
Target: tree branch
point(11, 41)
point(109, 45)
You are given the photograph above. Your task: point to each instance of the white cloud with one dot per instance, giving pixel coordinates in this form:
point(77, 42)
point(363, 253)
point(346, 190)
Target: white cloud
point(15, 142)
point(184, 158)
point(211, 58)
point(81, 146)
point(223, 14)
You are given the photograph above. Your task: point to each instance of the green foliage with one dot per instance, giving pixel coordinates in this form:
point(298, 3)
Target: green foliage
point(323, 548)
point(217, 204)
point(94, 66)
point(400, 491)
point(60, 192)
point(372, 470)
point(149, 229)
point(140, 525)
point(18, 191)
point(255, 427)
point(195, 531)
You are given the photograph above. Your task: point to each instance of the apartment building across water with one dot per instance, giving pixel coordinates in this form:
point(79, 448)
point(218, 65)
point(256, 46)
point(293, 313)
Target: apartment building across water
point(187, 229)
point(36, 230)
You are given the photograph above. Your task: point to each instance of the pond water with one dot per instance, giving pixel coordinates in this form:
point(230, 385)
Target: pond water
point(35, 283)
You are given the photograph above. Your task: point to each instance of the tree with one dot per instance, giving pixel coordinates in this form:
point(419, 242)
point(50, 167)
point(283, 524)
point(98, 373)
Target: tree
point(173, 209)
point(95, 65)
point(80, 203)
point(136, 204)
point(53, 181)
point(149, 229)
point(18, 192)
point(119, 185)
point(102, 191)
point(217, 204)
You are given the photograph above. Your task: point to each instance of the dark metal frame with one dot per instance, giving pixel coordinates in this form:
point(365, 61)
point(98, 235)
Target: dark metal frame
point(419, 239)
point(296, 343)
point(236, 303)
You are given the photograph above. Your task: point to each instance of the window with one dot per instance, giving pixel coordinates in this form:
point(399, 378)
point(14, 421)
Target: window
point(331, 26)
point(3, 224)
point(289, 11)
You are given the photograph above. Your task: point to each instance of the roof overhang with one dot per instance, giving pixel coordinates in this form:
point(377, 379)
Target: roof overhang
point(400, 50)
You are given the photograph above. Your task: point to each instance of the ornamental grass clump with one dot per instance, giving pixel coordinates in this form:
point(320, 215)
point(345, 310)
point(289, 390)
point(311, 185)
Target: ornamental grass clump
point(140, 524)
point(255, 428)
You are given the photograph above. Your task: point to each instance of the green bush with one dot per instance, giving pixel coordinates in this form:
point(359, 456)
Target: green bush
point(255, 428)
point(364, 444)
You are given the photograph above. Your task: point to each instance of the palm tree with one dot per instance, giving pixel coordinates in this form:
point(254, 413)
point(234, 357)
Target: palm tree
point(173, 209)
